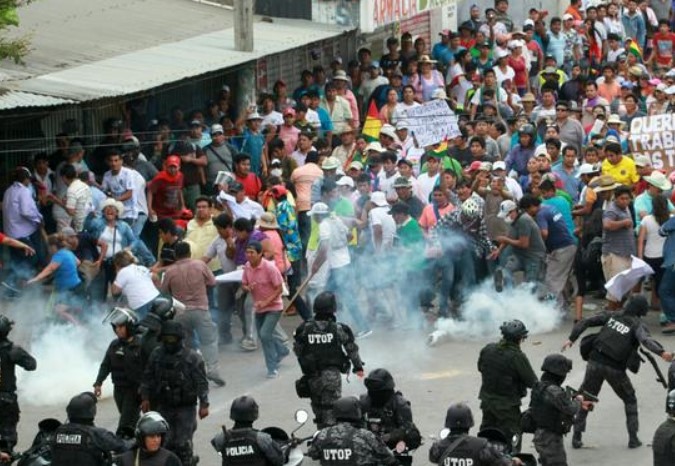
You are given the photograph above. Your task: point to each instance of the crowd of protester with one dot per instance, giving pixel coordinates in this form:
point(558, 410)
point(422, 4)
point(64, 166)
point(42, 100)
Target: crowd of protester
point(540, 179)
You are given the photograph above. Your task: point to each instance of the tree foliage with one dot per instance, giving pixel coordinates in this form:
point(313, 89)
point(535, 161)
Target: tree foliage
point(14, 48)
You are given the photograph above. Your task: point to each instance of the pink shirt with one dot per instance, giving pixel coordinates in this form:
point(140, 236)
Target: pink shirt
point(428, 218)
point(289, 134)
point(302, 178)
point(280, 259)
point(264, 281)
point(353, 106)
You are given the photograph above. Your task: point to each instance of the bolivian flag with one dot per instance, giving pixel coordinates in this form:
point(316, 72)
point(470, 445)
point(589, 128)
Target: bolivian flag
point(634, 48)
point(372, 125)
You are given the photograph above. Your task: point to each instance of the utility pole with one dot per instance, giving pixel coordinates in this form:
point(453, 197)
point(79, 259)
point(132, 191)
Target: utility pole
point(243, 25)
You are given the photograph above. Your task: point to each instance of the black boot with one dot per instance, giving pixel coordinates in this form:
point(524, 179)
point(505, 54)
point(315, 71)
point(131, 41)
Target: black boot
point(634, 441)
point(576, 440)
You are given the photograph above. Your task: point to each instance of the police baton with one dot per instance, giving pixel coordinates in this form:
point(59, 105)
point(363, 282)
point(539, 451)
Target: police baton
point(300, 289)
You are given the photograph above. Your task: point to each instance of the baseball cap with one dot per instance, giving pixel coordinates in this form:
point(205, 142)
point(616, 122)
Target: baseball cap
point(567, 16)
point(319, 209)
point(505, 208)
point(642, 161)
point(499, 165)
point(215, 129)
point(475, 166)
point(587, 169)
point(331, 163)
point(402, 182)
point(356, 165)
point(195, 123)
point(345, 181)
point(173, 160)
point(67, 231)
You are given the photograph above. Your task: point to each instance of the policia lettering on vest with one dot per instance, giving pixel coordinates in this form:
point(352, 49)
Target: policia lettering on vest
point(610, 353)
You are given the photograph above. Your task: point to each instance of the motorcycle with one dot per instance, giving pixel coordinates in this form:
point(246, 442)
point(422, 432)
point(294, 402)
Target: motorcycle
point(39, 454)
point(290, 445)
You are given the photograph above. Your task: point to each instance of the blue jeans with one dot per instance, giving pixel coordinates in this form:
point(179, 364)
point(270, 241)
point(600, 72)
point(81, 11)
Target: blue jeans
point(340, 282)
point(667, 293)
point(138, 224)
point(273, 348)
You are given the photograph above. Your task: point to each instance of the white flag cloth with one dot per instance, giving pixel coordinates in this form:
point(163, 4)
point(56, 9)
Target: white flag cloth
point(621, 284)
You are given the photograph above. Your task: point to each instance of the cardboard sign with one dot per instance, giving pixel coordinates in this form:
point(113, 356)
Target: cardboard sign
point(432, 122)
point(654, 136)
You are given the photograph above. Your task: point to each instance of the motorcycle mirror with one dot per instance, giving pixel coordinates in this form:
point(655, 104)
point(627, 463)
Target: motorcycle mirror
point(443, 434)
point(301, 416)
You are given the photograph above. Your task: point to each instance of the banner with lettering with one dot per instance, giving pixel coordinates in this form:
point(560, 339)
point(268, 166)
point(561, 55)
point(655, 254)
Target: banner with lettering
point(432, 122)
point(654, 136)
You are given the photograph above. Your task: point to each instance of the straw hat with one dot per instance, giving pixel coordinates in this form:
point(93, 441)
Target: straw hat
point(425, 59)
point(658, 180)
point(268, 221)
point(110, 202)
point(604, 183)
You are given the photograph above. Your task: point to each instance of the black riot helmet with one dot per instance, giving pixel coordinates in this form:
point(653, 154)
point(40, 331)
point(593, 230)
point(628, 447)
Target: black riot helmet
point(459, 417)
point(325, 303)
point(82, 407)
point(6, 325)
point(172, 336)
point(514, 330)
point(244, 409)
point(557, 364)
point(163, 308)
point(347, 409)
point(379, 380)
point(670, 403)
point(636, 305)
point(151, 423)
point(122, 316)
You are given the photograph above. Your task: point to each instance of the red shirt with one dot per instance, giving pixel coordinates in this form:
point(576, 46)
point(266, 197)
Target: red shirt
point(252, 185)
point(166, 194)
point(518, 65)
point(664, 45)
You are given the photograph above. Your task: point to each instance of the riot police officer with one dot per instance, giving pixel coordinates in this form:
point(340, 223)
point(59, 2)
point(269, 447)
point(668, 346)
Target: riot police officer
point(243, 445)
point(506, 374)
point(612, 349)
point(461, 448)
point(346, 443)
point(148, 329)
point(11, 355)
point(324, 348)
point(664, 437)
point(123, 361)
point(80, 442)
point(175, 379)
point(553, 410)
point(151, 431)
point(388, 415)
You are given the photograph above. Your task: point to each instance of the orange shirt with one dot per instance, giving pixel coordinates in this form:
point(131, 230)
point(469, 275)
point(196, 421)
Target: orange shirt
point(428, 218)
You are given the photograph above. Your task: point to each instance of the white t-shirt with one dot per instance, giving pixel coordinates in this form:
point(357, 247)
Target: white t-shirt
point(139, 192)
point(504, 75)
point(273, 118)
point(78, 197)
point(426, 186)
point(108, 236)
point(218, 248)
point(653, 241)
point(136, 284)
point(119, 184)
point(380, 216)
point(337, 256)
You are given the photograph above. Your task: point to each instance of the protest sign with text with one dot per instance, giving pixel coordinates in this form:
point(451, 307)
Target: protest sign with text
point(654, 136)
point(432, 122)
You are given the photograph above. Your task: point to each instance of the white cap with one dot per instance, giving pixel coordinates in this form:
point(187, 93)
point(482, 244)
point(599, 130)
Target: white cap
point(375, 146)
point(505, 208)
point(642, 161)
point(319, 209)
point(662, 87)
point(402, 124)
point(389, 130)
point(254, 116)
point(217, 129)
point(345, 181)
point(330, 163)
point(587, 169)
point(379, 199)
point(567, 16)
point(501, 53)
point(671, 90)
point(499, 165)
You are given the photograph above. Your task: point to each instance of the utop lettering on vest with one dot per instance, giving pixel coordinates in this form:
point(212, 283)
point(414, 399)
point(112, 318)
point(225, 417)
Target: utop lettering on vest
point(241, 450)
point(458, 462)
point(342, 454)
point(618, 326)
point(69, 439)
point(654, 136)
point(319, 338)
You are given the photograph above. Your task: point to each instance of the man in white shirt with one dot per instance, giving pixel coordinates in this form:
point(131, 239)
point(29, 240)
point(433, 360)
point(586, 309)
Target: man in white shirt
point(118, 183)
point(78, 201)
point(428, 180)
point(239, 205)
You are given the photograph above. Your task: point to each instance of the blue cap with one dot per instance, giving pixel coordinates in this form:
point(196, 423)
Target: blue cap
point(627, 85)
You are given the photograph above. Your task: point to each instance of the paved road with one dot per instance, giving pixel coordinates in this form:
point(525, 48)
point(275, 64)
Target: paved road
point(431, 378)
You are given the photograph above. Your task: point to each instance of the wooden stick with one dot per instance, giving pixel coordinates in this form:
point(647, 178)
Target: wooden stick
point(302, 286)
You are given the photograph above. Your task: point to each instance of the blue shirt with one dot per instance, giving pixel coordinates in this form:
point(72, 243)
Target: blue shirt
point(252, 144)
point(65, 277)
point(668, 230)
point(562, 206)
point(571, 184)
point(324, 118)
point(556, 47)
point(549, 219)
point(643, 203)
point(441, 53)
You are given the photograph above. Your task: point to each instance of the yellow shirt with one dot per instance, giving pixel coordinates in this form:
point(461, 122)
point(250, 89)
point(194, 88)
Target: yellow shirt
point(200, 238)
point(624, 172)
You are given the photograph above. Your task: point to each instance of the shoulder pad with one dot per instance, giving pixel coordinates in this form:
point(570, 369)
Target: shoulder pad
point(347, 329)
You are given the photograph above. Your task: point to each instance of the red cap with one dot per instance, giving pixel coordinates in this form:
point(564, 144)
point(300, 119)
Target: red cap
point(475, 165)
point(173, 160)
point(278, 191)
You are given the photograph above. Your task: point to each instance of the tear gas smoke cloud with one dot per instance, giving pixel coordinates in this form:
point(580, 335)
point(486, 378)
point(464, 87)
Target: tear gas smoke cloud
point(485, 310)
point(68, 357)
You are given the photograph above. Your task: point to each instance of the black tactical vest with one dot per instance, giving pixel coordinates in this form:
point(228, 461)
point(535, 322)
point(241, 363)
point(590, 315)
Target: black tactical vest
point(617, 339)
point(241, 449)
point(74, 444)
point(544, 413)
point(379, 419)
point(125, 363)
point(338, 447)
point(498, 375)
point(176, 387)
point(157, 459)
point(466, 453)
point(7, 369)
point(662, 445)
point(322, 348)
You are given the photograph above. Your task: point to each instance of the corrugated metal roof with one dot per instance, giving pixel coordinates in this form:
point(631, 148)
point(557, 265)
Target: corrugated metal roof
point(145, 69)
point(68, 33)
point(13, 99)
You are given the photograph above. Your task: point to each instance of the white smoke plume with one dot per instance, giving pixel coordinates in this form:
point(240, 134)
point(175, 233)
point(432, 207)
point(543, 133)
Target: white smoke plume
point(485, 310)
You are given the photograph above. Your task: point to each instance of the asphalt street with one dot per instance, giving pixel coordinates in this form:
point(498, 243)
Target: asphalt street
point(431, 378)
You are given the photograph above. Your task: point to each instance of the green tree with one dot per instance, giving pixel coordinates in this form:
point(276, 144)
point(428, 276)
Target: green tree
point(13, 48)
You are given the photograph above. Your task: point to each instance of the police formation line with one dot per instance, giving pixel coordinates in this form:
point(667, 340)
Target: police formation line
point(155, 373)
